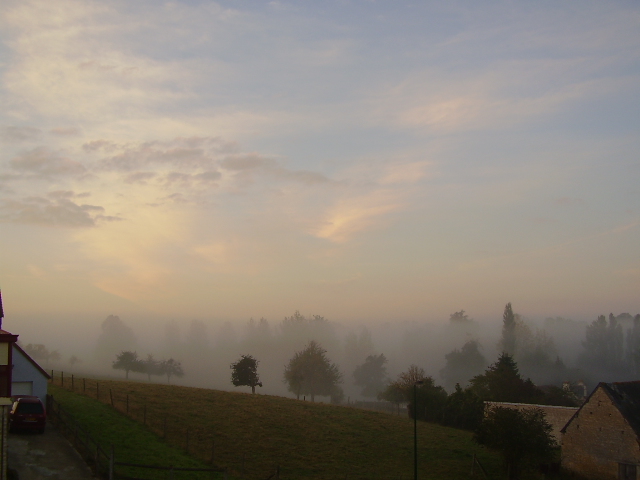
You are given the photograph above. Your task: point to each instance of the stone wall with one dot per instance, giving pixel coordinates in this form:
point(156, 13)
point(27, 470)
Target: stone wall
point(556, 416)
point(598, 439)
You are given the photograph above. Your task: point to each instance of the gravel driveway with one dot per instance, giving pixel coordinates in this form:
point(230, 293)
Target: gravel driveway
point(46, 456)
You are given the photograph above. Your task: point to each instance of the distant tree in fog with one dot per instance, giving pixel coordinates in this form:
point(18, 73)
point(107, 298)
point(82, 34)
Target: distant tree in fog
point(257, 332)
point(371, 375)
point(459, 317)
point(127, 361)
point(463, 364)
point(151, 366)
point(171, 368)
point(508, 341)
point(297, 327)
point(537, 356)
point(400, 390)
point(310, 372)
point(37, 351)
point(115, 337)
point(431, 398)
point(41, 354)
point(633, 346)
point(73, 360)
point(197, 337)
point(603, 345)
point(171, 337)
point(244, 372)
point(226, 335)
point(357, 347)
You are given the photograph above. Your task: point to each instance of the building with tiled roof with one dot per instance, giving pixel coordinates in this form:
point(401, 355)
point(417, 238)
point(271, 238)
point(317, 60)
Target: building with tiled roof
point(602, 439)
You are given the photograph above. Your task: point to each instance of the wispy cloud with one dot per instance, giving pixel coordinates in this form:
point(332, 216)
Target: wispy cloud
point(19, 134)
point(44, 163)
point(55, 210)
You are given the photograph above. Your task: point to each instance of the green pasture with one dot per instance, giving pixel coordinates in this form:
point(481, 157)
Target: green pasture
point(252, 435)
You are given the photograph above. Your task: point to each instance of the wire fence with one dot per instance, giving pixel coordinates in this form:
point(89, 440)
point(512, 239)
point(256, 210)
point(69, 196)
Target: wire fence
point(197, 443)
point(102, 460)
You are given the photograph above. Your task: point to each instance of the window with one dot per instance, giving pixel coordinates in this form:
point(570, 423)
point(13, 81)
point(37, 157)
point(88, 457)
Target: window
point(627, 472)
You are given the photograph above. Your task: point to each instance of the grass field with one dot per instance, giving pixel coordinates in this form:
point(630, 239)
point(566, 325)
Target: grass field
point(253, 434)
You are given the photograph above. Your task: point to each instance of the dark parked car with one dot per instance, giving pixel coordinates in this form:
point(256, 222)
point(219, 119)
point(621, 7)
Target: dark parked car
point(27, 413)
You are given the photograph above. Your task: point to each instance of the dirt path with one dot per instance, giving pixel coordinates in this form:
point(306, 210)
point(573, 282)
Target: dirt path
point(46, 456)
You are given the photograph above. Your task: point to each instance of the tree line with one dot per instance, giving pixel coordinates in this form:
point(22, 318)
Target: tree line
point(129, 362)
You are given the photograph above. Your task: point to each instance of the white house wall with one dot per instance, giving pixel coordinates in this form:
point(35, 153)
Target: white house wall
point(25, 371)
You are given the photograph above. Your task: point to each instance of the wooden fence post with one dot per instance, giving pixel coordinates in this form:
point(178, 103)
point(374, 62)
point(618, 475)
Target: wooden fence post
point(111, 463)
point(84, 385)
point(111, 396)
point(127, 404)
point(97, 391)
point(72, 384)
point(62, 379)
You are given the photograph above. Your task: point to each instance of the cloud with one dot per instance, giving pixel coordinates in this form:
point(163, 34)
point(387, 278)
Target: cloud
point(300, 176)
point(246, 166)
point(139, 177)
point(191, 181)
point(190, 153)
point(405, 173)
point(19, 134)
point(350, 216)
point(42, 162)
point(239, 163)
point(97, 145)
point(65, 131)
point(504, 93)
point(56, 211)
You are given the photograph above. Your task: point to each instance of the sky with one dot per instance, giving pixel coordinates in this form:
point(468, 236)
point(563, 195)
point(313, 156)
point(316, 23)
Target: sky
point(360, 160)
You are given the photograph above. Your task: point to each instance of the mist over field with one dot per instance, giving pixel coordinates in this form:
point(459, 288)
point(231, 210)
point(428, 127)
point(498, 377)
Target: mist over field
point(206, 349)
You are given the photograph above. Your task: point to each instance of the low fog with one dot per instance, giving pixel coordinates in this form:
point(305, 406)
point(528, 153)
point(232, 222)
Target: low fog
point(452, 350)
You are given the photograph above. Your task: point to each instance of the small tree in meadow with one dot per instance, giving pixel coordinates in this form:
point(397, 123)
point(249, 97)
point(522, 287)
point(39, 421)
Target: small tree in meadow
point(244, 372)
point(151, 366)
point(171, 368)
point(310, 372)
point(127, 361)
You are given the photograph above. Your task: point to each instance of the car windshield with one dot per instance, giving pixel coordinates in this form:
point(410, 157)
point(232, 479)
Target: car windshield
point(30, 408)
